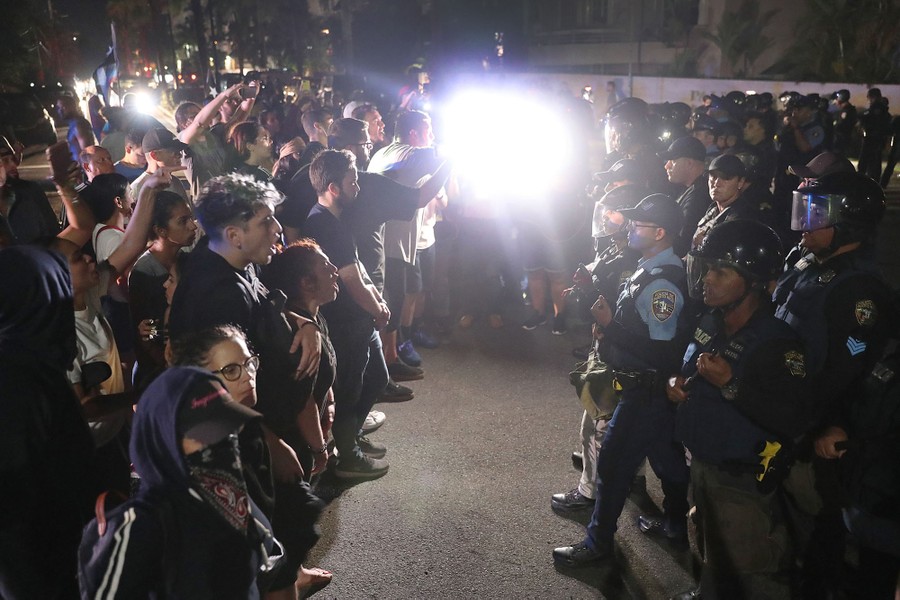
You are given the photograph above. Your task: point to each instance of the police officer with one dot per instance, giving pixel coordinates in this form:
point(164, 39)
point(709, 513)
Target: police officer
point(614, 264)
point(686, 166)
point(642, 346)
point(876, 125)
point(836, 300)
point(844, 121)
point(801, 138)
point(742, 386)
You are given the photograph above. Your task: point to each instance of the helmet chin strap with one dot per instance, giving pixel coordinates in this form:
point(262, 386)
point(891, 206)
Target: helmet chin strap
point(749, 288)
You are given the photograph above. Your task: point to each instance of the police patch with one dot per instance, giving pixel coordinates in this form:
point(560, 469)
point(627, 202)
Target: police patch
point(663, 305)
point(866, 313)
point(795, 363)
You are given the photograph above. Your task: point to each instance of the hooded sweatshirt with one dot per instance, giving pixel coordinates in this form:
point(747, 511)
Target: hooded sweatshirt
point(168, 542)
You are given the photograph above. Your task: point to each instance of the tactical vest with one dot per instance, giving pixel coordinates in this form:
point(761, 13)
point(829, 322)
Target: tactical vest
point(711, 427)
point(612, 269)
point(800, 298)
point(629, 317)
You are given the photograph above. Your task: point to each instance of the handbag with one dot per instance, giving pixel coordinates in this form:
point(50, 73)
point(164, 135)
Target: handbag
point(594, 383)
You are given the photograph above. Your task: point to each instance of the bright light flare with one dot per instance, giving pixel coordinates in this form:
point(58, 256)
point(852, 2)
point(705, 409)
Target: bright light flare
point(143, 102)
point(507, 145)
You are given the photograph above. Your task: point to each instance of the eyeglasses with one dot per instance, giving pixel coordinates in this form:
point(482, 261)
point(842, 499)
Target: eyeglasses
point(234, 371)
point(633, 225)
point(366, 145)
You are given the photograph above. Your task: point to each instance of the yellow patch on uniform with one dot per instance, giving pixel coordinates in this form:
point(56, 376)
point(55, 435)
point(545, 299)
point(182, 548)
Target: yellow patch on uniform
point(795, 363)
point(866, 313)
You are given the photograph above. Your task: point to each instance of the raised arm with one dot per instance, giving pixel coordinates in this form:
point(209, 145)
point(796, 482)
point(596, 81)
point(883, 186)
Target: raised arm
point(206, 114)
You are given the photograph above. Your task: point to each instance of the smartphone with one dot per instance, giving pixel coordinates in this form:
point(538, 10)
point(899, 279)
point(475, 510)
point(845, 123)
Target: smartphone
point(251, 90)
point(60, 160)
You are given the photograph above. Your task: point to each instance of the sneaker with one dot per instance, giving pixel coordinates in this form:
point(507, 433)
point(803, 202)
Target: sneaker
point(394, 392)
point(364, 467)
point(421, 339)
point(374, 420)
point(559, 325)
point(400, 371)
point(495, 321)
point(408, 354)
point(571, 501)
point(534, 321)
point(370, 448)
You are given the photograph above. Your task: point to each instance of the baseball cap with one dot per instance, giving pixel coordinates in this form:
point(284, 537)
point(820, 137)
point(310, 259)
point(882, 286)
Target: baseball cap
point(825, 163)
point(658, 209)
point(728, 165)
point(685, 147)
point(208, 414)
point(705, 122)
point(161, 139)
point(622, 170)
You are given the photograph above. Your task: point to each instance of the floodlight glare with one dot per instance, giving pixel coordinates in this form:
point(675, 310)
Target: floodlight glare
point(507, 145)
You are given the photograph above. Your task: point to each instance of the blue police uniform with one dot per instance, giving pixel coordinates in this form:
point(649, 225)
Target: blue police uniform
point(725, 429)
point(641, 344)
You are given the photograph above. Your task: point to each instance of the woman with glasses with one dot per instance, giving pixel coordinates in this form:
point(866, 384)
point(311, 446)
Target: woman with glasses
point(254, 147)
point(270, 467)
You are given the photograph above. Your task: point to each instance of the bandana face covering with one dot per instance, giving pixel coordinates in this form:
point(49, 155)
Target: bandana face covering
point(217, 472)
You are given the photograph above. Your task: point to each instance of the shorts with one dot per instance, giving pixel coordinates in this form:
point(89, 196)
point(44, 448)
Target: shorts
point(425, 260)
point(400, 278)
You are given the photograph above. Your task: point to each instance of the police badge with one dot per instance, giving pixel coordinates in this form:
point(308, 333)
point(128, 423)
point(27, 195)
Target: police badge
point(866, 313)
point(663, 305)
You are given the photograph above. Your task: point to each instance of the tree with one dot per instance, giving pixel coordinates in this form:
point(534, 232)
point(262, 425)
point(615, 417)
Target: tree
point(740, 38)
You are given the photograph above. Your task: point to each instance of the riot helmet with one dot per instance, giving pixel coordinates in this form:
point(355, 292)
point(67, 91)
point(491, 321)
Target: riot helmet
point(749, 247)
point(622, 197)
point(626, 125)
point(849, 201)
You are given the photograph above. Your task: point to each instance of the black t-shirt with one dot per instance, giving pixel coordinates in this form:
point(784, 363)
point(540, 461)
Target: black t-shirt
point(336, 241)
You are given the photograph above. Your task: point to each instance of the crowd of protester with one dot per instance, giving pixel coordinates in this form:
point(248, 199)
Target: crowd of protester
point(218, 310)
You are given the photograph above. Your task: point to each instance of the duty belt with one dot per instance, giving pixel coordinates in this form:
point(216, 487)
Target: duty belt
point(626, 380)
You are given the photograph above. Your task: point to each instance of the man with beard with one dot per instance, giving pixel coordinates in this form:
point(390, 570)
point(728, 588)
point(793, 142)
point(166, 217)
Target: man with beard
point(354, 318)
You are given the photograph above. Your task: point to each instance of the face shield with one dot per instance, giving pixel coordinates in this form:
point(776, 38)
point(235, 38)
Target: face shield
point(811, 211)
point(602, 226)
point(695, 268)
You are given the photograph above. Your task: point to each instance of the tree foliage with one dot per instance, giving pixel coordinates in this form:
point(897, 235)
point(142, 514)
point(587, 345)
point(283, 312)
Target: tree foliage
point(740, 37)
point(845, 40)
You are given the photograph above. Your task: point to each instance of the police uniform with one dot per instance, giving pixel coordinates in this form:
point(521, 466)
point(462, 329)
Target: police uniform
point(844, 122)
point(612, 268)
point(876, 124)
point(726, 429)
point(642, 346)
point(840, 309)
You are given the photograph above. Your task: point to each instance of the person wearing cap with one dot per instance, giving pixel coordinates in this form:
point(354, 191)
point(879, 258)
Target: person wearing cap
point(838, 302)
point(758, 142)
point(623, 172)
point(642, 343)
point(727, 179)
point(686, 166)
point(161, 149)
point(844, 120)
point(743, 385)
point(614, 264)
point(96, 160)
point(876, 125)
point(705, 129)
point(22, 203)
point(800, 139)
point(191, 531)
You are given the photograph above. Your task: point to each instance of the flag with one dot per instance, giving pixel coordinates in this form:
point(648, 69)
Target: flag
point(108, 71)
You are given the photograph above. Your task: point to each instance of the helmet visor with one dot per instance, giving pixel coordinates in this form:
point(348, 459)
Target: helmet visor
point(695, 268)
point(811, 211)
point(601, 225)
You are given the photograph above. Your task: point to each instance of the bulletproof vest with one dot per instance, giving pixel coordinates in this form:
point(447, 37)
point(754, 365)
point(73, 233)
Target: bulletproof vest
point(800, 298)
point(626, 311)
point(712, 428)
